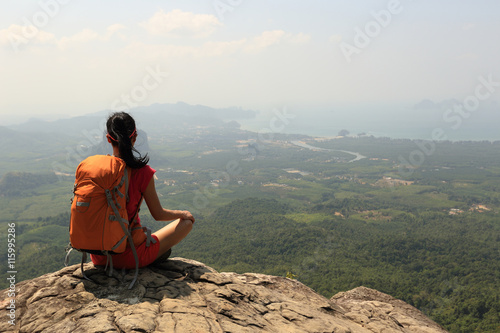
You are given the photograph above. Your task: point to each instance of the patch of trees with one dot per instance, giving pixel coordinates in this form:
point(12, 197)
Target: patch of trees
point(15, 184)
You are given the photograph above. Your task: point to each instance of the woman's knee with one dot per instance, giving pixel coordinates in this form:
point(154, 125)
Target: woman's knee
point(186, 224)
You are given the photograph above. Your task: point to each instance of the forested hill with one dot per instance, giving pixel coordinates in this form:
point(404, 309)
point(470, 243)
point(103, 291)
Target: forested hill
point(15, 184)
point(446, 266)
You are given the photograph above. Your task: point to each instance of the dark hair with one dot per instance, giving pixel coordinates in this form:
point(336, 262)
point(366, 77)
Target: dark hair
point(121, 130)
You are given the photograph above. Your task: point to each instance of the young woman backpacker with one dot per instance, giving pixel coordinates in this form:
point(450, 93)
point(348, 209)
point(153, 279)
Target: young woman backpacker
point(122, 135)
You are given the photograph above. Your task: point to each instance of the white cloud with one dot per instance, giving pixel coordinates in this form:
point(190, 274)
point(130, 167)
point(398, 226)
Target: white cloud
point(18, 36)
point(114, 29)
point(300, 38)
point(266, 39)
point(153, 52)
point(181, 24)
point(270, 38)
point(88, 35)
point(141, 50)
point(83, 36)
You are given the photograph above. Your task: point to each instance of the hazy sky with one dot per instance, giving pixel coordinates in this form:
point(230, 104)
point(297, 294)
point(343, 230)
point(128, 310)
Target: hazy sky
point(74, 57)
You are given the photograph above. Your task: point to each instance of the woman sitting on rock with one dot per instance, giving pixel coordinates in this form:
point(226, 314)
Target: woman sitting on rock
point(122, 135)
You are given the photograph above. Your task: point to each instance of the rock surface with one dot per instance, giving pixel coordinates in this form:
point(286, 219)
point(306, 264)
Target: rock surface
point(182, 295)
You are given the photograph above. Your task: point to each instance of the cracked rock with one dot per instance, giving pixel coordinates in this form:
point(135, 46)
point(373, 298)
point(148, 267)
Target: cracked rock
point(182, 295)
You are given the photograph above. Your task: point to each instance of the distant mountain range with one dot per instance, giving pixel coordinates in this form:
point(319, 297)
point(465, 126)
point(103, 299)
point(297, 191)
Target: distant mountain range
point(154, 119)
point(157, 120)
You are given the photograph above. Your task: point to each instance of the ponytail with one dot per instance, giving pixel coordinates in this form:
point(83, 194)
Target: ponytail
point(121, 131)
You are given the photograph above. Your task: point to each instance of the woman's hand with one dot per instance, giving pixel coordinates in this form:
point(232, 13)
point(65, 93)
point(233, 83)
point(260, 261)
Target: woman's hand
point(185, 215)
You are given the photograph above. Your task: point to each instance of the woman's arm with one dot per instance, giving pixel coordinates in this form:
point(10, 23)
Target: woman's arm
point(157, 211)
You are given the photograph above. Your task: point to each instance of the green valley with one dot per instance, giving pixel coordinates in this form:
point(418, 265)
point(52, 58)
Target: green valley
point(334, 213)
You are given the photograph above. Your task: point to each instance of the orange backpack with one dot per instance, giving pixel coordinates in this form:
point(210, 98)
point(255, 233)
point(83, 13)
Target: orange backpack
point(99, 221)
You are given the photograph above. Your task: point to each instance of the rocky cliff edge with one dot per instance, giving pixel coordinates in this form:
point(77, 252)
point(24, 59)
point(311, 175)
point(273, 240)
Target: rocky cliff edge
point(182, 295)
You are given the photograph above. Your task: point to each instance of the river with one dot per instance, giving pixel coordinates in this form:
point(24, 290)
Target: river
point(302, 144)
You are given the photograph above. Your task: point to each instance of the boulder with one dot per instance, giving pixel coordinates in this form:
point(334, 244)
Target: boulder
point(181, 295)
